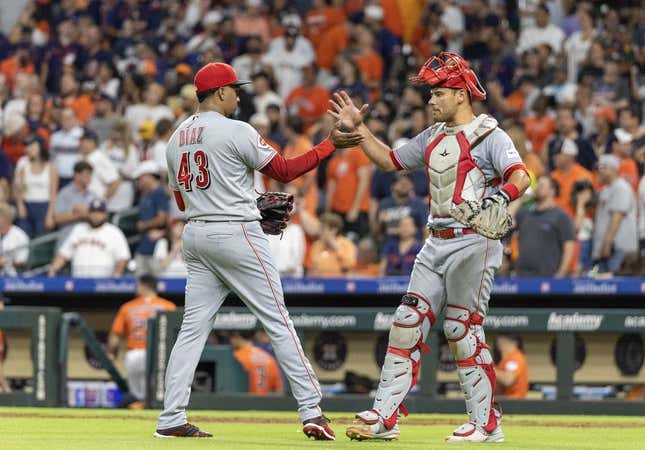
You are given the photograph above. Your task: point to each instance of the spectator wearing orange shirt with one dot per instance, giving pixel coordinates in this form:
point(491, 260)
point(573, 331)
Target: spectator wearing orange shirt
point(622, 148)
point(333, 255)
point(252, 20)
point(567, 172)
point(348, 181)
point(72, 97)
point(132, 322)
point(16, 64)
point(368, 60)
point(512, 371)
point(325, 28)
point(540, 126)
point(298, 144)
point(310, 100)
point(264, 374)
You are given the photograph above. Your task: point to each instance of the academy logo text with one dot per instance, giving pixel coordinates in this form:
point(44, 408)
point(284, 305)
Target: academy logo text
point(574, 322)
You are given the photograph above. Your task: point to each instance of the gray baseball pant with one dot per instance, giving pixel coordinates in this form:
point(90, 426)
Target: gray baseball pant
point(233, 256)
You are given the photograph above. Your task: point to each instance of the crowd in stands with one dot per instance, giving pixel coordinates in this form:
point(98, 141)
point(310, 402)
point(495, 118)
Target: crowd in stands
point(91, 91)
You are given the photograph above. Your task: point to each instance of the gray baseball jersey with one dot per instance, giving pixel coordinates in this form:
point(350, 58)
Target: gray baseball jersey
point(211, 161)
point(494, 156)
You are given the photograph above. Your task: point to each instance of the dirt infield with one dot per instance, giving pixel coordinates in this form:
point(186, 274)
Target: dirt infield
point(252, 420)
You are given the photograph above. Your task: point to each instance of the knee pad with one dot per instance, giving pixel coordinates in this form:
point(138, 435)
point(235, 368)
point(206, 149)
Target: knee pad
point(457, 327)
point(412, 320)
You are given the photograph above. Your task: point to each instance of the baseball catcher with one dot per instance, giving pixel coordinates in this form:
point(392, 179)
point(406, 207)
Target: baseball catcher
point(474, 171)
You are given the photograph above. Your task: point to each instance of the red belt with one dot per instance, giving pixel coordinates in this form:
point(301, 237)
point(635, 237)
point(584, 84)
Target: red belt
point(451, 233)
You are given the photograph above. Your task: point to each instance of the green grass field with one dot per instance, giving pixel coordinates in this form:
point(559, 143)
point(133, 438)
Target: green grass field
point(89, 429)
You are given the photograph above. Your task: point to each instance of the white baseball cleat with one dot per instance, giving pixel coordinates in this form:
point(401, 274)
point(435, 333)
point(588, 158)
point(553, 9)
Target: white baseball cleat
point(369, 425)
point(469, 432)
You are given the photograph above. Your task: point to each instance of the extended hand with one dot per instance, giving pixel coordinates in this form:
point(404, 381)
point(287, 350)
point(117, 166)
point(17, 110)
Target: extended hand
point(342, 139)
point(349, 117)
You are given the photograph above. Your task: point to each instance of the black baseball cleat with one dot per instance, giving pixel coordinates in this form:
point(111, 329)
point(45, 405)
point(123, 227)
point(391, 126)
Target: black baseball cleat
point(186, 430)
point(318, 428)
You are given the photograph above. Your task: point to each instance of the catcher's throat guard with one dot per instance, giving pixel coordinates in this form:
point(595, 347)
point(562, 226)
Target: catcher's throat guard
point(451, 71)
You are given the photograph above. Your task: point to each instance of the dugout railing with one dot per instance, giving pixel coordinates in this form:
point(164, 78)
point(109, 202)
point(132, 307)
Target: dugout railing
point(563, 323)
point(44, 324)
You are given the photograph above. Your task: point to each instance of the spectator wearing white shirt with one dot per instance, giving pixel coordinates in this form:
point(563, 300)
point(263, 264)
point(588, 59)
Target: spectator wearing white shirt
point(151, 109)
point(64, 145)
point(105, 177)
point(124, 154)
point(289, 248)
point(263, 93)
point(157, 151)
point(616, 233)
point(288, 55)
point(577, 45)
point(543, 32)
point(250, 62)
point(15, 243)
point(96, 249)
point(169, 254)
point(35, 188)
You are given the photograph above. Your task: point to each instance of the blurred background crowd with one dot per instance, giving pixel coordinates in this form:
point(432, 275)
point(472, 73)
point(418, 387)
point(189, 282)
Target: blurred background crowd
point(90, 92)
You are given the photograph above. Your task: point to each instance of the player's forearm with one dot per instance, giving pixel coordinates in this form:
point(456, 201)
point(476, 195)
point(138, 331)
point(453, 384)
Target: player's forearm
point(375, 150)
point(518, 182)
point(286, 170)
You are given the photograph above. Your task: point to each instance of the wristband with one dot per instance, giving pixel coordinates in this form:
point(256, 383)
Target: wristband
point(511, 191)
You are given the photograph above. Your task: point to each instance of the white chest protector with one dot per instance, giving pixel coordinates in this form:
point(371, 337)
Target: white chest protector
point(452, 172)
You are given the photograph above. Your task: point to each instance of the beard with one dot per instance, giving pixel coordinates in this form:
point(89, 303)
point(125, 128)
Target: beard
point(96, 224)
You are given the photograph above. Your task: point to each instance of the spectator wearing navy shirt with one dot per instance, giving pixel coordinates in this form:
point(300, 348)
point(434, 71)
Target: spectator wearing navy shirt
point(399, 253)
point(153, 212)
point(402, 202)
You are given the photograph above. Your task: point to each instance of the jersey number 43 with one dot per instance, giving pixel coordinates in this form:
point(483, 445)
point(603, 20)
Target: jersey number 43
point(185, 176)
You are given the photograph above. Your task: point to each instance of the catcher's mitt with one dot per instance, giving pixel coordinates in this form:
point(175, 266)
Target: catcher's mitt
point(489, 217)
point(275, 208)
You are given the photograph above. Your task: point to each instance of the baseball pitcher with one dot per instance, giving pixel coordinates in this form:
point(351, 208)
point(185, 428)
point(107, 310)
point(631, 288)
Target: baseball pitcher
point(211, 162)
point(474, 171)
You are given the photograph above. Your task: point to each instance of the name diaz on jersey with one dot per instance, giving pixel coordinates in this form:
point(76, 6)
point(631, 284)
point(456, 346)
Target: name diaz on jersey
point(190, 136)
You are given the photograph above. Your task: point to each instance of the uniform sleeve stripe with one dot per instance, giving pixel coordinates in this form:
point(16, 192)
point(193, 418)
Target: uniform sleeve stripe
point(394, 156)
point(517, 166)
point(266, 161)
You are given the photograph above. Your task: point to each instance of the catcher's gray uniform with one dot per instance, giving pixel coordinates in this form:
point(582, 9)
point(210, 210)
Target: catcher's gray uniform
point(455, 268)
point(211, 160)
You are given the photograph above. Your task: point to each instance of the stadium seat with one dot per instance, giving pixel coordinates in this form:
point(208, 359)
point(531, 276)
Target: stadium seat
point(42, 250)
point(127, 221)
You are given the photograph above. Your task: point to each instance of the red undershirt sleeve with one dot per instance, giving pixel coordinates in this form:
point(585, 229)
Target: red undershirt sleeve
point(179, 200)
point(286, 170)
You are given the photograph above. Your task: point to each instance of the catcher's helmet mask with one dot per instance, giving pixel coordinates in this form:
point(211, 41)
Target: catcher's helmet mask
point(451, 71)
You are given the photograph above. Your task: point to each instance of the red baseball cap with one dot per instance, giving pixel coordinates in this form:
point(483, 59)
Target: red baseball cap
point(216, 75)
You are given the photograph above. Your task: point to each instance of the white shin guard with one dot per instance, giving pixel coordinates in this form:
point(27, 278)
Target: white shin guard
point(412, 320)
point(465, 333)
